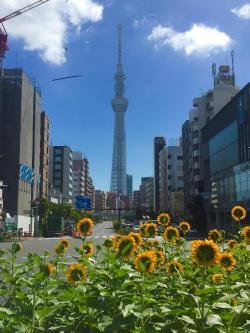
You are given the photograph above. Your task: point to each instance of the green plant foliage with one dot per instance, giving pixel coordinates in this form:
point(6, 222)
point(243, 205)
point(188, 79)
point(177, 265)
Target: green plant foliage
point(110, 295)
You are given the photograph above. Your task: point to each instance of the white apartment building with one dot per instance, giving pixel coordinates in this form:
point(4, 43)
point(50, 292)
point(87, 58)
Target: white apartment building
point(204, 109)
point(171, 177)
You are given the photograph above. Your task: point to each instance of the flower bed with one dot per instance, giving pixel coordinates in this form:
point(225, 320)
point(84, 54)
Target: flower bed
point(135, 284)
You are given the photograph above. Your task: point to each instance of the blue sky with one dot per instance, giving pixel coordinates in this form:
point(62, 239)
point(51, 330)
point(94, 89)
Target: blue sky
point(168, 49)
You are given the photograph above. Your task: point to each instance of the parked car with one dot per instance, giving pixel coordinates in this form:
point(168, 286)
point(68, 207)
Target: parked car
point(136, 228)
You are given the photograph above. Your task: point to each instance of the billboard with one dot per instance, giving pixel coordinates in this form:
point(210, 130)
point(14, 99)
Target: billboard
point(83, 202)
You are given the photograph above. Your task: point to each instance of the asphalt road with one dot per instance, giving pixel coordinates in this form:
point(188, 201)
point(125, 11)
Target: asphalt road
point(101, 231)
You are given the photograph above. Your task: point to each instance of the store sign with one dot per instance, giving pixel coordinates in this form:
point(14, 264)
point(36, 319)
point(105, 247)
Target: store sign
point(26, 174)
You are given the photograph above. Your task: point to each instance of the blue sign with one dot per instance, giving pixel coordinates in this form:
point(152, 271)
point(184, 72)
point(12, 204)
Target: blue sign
point(26, 173)
point(83, 203)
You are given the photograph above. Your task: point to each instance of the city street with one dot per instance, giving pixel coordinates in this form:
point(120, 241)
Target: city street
point(101, 231)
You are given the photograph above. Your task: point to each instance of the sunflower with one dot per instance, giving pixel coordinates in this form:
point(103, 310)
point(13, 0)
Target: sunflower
point(217, 278)
point(160, 258)
point(145, 262)
point(171, 234)
point(109, 243)
point(184, 226)
point(126, 246)
point(155, 243)
point(149, 244)
point(65, 243)
point(246, 234)
point(75, 273)
point(87, 250)
point(84, 226)
point(238, 213)
point(164, 219)
point(116, 239)
point(174, 266)
point(16, 247)
point(60, 249)
point(143, 229)
point(227, 261)
point(137, 238)
point(214, 235)
point(231, 243)
point(150, 230)
point(48, 269)
point(205, 252)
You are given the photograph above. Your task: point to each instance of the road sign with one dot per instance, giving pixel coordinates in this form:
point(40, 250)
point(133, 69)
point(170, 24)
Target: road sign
point(83, 202)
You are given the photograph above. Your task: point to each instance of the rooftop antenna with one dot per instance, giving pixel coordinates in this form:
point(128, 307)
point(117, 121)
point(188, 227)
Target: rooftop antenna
point(119, 44)
point(233, 76)
point(214, 71)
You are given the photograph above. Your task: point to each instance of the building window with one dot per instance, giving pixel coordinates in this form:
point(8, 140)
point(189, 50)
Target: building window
point(169, 157)
point(169, 177)
point(57, 166)
point(57, 182)
point(169, 167)
point(179, 157)
point(58, 158)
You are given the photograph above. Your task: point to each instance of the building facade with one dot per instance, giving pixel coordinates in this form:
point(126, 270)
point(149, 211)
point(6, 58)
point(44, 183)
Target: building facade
point(44, 156)
point(119, 105)
point(226, 161)
point(20, 123)
point(159, 144)
point(204, 109)
point(130, 187)
point(171, 178)
point(100, 200)
point(147, 194)
point(61, 171)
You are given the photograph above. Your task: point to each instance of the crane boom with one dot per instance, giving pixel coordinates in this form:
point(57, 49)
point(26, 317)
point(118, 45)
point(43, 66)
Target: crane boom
point(3, 33)
point(22, 10)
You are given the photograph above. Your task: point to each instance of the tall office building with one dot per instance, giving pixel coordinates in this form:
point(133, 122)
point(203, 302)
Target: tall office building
point(119, 105)
point(129, 187)
point(61, 171)
point(44, 156)
point(159, 144)
point(205, 108)
point(20, 117)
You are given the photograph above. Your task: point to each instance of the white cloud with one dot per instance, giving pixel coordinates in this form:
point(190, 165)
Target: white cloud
point(145, 20)
point(199, 40)
point(243, 11)
point(44, 29)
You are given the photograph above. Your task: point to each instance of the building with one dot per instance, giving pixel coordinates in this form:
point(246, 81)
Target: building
point(205, 108)
point(79, 175)
point(111, 201)
point(159, 144)
point(119, 105)
point(136, 200)
point(44, 156)
point(61, 171)
point(1, 203)
point(100, 200)
point(147, 194)
point(171, 178)
point(225, 161)
point(20, 124)
point(129, 187)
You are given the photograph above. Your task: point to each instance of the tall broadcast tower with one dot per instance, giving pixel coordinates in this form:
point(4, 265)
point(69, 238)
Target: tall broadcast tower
point(119, 105)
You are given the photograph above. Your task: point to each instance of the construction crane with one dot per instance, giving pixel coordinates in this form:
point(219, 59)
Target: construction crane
point(3, 32)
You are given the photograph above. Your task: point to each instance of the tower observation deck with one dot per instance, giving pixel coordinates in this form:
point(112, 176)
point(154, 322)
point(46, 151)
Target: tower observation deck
point(119, 104)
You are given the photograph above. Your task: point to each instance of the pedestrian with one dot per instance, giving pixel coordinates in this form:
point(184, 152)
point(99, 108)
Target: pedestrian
point(20, 233)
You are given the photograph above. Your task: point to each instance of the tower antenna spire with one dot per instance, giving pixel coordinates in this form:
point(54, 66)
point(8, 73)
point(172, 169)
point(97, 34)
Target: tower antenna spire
point(119, 44)
point(233, 74)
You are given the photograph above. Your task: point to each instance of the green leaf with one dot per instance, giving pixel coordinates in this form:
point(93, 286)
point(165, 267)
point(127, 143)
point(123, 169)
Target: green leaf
point(214, 319)
point(222, 306)
point(6, 311)
point(205, 291)
point(187, 319)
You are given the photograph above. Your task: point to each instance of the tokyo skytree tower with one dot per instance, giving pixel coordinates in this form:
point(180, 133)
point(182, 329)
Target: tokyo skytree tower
point(119, 104)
